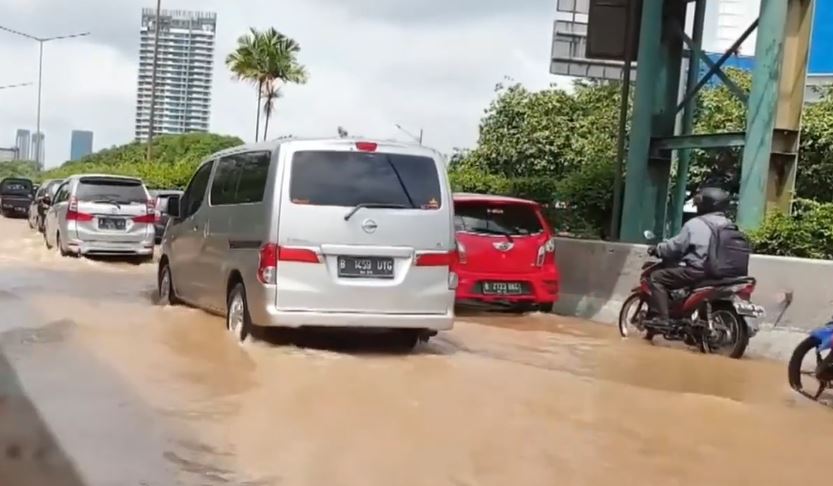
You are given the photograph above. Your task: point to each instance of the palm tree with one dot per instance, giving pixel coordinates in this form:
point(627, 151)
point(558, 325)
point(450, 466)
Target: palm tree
point(269, 60)
point(244, 64)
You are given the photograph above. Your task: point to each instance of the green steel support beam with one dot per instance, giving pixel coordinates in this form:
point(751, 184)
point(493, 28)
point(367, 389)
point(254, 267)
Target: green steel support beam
point(719, 64)
point(654, 116)
point(774, 111)
point(700, 141)
point(736, 90)
point(697, 52)
point(684, 156)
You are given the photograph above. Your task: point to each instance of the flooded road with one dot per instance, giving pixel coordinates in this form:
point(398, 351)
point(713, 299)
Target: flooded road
point(136, 394)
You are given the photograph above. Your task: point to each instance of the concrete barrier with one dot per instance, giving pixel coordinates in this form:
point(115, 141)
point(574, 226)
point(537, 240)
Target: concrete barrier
point(597, 276)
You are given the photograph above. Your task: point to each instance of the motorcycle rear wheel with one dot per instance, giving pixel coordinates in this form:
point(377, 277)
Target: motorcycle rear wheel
point(631, 317)
point(795, 374)
point(730, 336)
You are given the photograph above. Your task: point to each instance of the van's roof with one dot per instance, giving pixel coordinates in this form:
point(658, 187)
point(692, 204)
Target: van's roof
point(271, 145)
point(472, 197)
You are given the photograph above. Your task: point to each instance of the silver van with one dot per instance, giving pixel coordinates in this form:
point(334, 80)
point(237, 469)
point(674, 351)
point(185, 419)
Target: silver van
point(316, 233)
point(96, 214)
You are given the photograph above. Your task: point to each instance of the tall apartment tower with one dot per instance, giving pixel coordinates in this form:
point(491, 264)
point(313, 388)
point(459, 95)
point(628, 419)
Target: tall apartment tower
point(21, 142)
point(38, 148)
point(183, 76)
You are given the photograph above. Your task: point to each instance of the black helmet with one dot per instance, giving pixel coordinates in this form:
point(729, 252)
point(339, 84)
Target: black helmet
point(712, 200)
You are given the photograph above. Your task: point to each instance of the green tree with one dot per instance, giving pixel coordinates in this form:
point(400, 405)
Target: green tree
point(19, 168)
point(815, 160)
point(175, 158)
point(269, 59)
point(244, 63)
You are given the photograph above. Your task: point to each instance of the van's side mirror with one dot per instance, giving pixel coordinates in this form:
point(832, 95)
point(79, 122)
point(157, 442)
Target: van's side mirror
point(173, 209)
point(46, 200)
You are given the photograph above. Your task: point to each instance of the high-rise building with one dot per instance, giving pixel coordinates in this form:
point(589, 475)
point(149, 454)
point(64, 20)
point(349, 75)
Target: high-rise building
point(8, 154)
point(183, 76)
point(38, 148)
point(21, 142)
point(81, 145)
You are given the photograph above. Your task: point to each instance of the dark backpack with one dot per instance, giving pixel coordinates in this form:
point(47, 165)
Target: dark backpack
point(729, 252)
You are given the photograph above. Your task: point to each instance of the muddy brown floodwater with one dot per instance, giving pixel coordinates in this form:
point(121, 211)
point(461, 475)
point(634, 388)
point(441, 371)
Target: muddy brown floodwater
point(137, 394)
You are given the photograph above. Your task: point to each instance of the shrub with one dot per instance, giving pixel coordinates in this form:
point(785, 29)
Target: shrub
point(807, 233)
point(175, 158)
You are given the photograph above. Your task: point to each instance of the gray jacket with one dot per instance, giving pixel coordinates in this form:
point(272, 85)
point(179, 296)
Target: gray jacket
point(691, 246)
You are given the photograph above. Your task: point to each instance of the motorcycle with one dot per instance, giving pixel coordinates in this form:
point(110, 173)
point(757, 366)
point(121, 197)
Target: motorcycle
point(711, 316)
point(819, 342)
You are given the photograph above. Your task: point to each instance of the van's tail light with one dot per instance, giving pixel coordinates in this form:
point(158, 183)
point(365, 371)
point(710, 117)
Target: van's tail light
point(267, 265)
point(271, 254)
point(546, 253)
point(462, 256)
point(299, 255)
point(74, 215)
point(444, 259)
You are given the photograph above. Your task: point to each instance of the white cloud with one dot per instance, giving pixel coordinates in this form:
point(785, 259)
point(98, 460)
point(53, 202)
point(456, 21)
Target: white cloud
point(373, 63)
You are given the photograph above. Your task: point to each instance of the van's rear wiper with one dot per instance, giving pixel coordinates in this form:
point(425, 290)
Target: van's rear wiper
point(401, 182)
point(108, 201)
point(373, 205)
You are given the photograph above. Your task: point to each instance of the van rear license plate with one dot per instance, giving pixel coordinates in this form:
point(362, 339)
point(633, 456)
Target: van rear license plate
point(111, 223)
point(365, 267)
point(503, 288)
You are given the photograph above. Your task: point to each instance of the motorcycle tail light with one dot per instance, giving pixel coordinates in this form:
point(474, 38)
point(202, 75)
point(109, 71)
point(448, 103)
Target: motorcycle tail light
point(744, 291)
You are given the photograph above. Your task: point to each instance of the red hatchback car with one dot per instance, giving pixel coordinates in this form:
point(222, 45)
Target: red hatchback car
point(506, 253)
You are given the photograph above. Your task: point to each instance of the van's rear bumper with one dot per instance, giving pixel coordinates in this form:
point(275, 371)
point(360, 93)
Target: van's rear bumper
point(277, 318)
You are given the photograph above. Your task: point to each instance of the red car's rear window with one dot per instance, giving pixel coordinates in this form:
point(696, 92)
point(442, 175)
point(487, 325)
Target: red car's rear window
point(497, 219)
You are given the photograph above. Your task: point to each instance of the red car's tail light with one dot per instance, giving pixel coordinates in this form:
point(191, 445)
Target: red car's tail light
point(462, 256)
point(545, 253)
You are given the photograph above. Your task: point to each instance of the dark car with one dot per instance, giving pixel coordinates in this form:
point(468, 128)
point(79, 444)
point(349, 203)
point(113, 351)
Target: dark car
point(15, 196)
point(41, 202)
point(161, 197)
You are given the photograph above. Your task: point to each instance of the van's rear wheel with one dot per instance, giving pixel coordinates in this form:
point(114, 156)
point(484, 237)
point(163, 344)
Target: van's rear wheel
point(238, 320)
point(405, 339)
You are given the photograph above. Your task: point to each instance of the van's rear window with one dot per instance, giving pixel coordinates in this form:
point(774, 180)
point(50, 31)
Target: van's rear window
point(327, 178)
point(497, 219)
point(122, 191)
point(16, 187)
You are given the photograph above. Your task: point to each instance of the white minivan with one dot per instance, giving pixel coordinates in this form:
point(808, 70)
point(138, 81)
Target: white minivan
point(316, 233)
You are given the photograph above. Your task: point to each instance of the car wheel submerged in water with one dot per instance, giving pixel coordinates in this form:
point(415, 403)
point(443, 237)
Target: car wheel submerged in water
point(238, 320)
point(166, 295)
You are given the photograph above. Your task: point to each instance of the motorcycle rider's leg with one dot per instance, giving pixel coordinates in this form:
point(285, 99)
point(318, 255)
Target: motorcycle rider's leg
point(664, 281)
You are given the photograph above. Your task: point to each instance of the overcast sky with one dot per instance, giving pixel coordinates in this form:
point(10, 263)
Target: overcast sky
point(429, 64)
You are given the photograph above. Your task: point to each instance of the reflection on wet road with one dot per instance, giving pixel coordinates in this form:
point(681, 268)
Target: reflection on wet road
point(141, 394)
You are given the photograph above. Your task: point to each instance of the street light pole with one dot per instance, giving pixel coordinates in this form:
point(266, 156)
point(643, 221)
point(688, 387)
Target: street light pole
point(41, 41)
point(157, 28)
point(38, 135)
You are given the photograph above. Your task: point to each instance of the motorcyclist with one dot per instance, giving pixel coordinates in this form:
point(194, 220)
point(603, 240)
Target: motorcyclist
point(686, 253)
